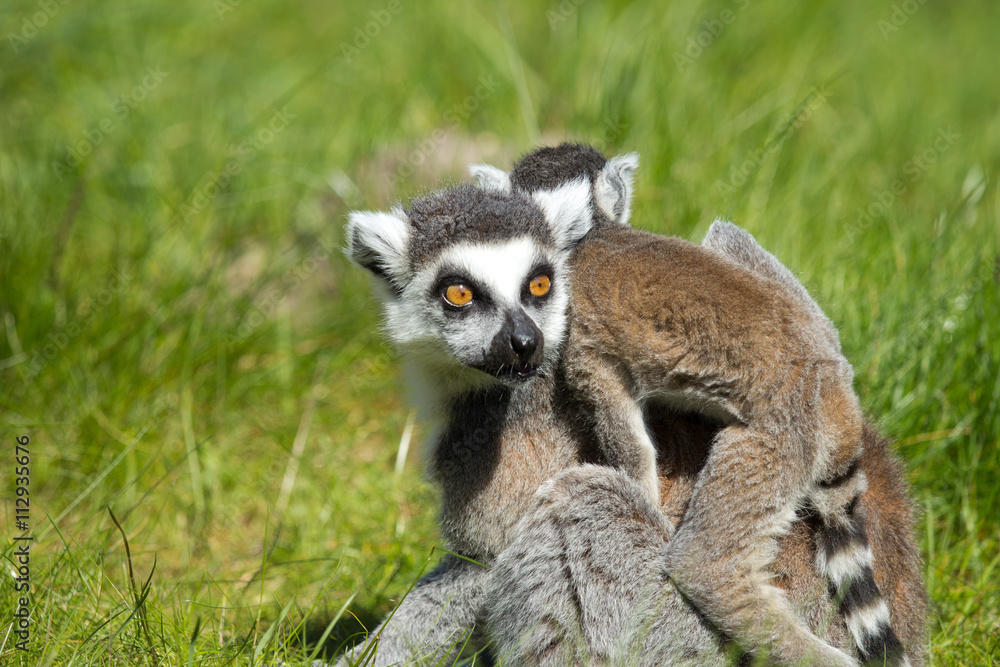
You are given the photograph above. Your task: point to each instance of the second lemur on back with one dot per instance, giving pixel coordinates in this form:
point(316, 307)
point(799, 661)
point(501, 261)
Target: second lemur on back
point(728, 333)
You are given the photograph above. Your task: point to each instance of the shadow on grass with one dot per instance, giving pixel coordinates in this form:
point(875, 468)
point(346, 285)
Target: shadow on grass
point(352, 629)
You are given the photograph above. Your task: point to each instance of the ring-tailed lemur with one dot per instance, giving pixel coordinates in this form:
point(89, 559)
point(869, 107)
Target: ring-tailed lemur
point(759, 354)
point(498, 440)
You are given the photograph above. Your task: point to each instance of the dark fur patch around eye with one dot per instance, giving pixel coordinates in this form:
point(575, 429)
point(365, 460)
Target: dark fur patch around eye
point(540, 269)
point(447, 278)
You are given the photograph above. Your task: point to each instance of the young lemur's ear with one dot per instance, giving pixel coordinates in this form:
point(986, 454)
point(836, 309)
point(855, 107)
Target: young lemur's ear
point(613, 187)
point(740, 246)
point(490, 178)
point(377, 241)
point(567, 210)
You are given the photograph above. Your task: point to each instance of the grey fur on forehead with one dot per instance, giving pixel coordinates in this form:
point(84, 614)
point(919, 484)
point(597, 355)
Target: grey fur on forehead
point(466, 214)
point(547, 168)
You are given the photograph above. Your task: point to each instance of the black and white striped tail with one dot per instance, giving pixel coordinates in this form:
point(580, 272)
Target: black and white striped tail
point(845, 559)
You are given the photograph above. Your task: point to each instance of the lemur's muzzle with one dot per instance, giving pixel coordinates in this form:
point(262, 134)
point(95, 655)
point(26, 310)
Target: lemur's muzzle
point(517, 348)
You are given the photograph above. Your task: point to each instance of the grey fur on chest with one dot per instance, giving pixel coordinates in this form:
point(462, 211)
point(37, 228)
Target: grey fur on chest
point(498, 446)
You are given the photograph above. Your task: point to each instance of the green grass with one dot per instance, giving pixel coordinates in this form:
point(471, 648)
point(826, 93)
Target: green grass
point(192, 351)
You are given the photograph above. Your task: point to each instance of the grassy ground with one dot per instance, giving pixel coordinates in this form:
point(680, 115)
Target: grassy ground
point(184, 346)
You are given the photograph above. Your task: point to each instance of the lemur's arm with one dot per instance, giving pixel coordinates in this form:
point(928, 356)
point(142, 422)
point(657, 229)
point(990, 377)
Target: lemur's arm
point(433, 622)
point(584, 582)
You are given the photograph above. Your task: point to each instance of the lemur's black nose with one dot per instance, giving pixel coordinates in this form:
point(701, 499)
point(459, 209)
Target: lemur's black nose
point(523, 342)
point(517, 344)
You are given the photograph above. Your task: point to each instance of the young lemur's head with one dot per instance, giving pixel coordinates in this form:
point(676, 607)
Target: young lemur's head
point(474, 283)
point(549, 168)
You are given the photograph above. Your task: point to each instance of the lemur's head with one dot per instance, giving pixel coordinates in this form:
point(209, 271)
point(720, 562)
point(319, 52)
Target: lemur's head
point(546, 169)
point(475, 283)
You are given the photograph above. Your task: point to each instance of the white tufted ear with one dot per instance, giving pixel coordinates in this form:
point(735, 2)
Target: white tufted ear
point(377, 241)
point(490, 178)
point(613, 187)
point(567, 210)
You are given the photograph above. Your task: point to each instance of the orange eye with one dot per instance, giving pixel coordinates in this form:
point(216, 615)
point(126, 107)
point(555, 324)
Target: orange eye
point(539, 285)
point(458, 295)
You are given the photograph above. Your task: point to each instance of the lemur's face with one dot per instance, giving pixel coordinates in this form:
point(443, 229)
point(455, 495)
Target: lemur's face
point(498, 307)
point(474, 284)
